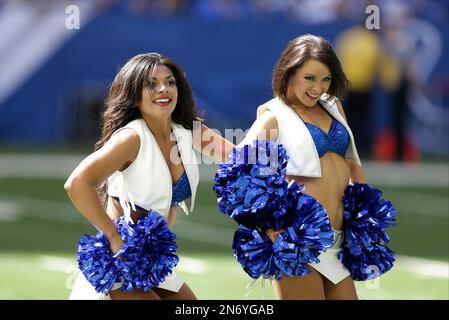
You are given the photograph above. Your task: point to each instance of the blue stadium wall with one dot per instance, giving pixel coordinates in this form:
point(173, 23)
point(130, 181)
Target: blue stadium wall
point(228, 64)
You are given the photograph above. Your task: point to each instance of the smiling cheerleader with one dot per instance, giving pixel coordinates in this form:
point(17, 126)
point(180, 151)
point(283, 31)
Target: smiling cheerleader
point(312, 251)
point(146, 165)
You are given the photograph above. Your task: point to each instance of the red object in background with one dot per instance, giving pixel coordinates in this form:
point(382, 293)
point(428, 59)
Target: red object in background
point(385, 147)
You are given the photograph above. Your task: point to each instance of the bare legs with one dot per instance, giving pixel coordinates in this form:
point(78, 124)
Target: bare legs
point(344, 290)
point(308, 287)
point(185, 293)
point(314, 286)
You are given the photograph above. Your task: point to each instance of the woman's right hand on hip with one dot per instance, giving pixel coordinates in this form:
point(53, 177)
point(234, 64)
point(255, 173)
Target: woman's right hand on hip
point(273, 234)
point(116, 244)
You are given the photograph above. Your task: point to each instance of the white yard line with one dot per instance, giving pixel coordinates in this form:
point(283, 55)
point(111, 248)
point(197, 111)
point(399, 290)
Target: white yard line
point(423, 267)
point(415, 265)
point(15, 207)
point(391, 174)
point(68, 266)
point(192, 265)
point(59, 264)
point(38, 166)
point(49, 210)
point(12, 206)
point(9, 211)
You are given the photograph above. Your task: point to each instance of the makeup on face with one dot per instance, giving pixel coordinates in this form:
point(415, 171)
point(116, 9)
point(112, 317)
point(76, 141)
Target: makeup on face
point(163, 87)
point(308, 83)
point(161, 90)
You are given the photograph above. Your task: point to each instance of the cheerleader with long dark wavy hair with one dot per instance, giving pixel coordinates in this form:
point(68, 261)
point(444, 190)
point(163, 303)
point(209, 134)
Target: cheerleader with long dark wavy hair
point(144, 166)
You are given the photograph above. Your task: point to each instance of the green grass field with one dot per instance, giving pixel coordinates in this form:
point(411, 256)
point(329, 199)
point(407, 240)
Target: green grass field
point(39, 230)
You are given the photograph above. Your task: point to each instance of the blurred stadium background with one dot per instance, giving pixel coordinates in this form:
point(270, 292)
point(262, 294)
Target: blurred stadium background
point(53, 81)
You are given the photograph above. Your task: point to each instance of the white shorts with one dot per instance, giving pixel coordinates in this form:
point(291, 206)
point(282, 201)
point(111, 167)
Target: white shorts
point(83, 290)
point(330, 266)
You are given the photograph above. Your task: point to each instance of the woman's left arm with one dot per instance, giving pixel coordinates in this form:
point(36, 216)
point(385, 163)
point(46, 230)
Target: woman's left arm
point(356, 171)
point(211, 144)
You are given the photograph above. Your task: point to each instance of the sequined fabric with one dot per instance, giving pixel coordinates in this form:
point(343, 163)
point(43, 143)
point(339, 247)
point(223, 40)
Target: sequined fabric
point(336, 140)
point(181, 190)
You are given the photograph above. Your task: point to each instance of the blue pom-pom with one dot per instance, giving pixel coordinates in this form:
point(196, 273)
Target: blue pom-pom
point(253, 250)
point(285, 212)
point(96, 262)
point(148, 254)
point(301, 243)
point(252, 188)
point(296, 247)
point(366, 216)
point(369, 263)
point(143, 262)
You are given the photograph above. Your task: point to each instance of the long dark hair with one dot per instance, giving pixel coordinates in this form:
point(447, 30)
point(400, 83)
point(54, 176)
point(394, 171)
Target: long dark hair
point(300, 50)
point(125, 95)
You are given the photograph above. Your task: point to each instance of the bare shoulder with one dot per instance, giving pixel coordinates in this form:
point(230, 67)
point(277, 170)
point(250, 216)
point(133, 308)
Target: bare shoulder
point(126, 138)
point(268, 120)
point(123, 144)
point(264, 128)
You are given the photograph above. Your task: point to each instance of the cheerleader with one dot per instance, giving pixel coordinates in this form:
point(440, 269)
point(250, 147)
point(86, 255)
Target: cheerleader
point(307, 118)
point(144, 161)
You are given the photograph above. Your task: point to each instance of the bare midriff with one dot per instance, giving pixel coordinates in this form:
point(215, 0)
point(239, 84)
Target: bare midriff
point(330, 187)
point(114, 211)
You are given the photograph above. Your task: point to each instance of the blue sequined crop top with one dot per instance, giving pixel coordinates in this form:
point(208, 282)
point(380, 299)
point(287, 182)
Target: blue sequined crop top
point(181, 190)
point(336, 140)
